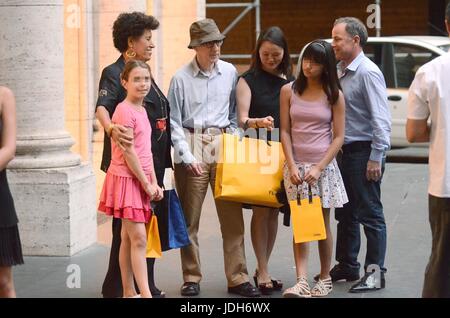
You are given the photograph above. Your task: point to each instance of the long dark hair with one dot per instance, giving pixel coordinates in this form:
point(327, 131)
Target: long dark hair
point(275, 36)
point(320, 52)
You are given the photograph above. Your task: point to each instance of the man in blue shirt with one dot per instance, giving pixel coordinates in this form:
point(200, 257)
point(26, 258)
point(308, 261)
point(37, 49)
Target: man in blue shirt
point(367, 137)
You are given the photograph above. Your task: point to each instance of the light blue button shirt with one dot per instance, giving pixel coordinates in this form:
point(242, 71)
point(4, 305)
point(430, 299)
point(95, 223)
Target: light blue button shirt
point(367, 115)
point(200, 100)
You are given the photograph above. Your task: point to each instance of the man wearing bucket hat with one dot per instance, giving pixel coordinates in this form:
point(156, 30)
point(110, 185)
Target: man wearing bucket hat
point(202, 99)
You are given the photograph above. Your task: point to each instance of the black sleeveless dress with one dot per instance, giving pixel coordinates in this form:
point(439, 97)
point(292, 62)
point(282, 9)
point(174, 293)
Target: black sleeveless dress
point(10, 246)
point(265, 89)
point(265, 101)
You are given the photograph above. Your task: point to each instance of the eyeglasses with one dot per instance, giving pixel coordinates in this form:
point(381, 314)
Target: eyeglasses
point(211, 44)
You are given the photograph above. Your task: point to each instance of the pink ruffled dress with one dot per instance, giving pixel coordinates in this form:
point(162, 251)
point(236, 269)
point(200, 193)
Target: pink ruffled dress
point(122, 195)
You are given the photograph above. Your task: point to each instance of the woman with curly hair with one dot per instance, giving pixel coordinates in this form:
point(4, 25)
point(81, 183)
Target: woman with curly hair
point(132, 35)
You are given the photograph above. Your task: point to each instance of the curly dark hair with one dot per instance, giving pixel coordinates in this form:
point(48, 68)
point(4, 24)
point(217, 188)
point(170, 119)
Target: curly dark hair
point(133, 25)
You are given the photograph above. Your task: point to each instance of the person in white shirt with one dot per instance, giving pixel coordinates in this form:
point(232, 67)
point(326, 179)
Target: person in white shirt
point(429, 97)
point(203, 106)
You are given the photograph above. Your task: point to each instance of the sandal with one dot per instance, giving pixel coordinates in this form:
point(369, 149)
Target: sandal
point(299, 290)
point(266, 288)
point(277, 284)
point(322, 288)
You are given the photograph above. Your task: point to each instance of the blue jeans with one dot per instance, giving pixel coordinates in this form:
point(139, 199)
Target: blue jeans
point(364, 207)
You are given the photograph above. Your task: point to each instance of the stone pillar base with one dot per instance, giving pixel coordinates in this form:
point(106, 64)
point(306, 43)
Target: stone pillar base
point(56, 209)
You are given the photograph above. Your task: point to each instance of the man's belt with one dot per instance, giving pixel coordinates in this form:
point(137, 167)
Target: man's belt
point(207, 131)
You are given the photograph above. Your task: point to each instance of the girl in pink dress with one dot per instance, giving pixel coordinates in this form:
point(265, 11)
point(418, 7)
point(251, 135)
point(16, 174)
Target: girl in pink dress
point(130, 183)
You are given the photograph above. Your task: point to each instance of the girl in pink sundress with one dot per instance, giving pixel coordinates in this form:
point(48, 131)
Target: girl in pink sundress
point(130, 183)
point(312, 111)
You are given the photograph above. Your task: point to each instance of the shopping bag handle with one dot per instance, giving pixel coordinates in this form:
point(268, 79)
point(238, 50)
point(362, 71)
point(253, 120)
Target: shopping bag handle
point(310, 198)
point(241, 137)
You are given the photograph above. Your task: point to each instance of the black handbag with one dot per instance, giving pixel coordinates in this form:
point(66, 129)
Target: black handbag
point(285, 209)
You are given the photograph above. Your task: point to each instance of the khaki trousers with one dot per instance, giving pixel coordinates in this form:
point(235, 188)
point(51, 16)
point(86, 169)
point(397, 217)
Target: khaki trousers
point(191, 191)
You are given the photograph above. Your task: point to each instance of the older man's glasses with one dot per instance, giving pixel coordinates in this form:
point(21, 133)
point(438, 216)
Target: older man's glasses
point(211, 44)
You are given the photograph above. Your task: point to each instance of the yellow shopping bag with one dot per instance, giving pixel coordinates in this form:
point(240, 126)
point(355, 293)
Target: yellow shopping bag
point(307, 219)
point(249, 171)
point(153, 239)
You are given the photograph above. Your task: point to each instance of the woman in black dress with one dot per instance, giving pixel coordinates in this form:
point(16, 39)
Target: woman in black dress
point(132, 35)
point(258, 103)
point(10, 246)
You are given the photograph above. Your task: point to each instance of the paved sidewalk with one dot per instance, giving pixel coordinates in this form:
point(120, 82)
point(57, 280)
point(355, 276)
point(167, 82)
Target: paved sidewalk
point(404, 195)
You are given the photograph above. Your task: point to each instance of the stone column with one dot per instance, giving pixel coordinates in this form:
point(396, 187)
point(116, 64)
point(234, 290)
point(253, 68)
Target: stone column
point(54, 192)
point(79, 90)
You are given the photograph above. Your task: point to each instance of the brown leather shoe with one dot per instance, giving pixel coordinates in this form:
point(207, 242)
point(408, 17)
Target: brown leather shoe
point(190, 289)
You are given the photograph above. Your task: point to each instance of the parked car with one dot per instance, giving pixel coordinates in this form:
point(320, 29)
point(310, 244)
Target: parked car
point(399, 58)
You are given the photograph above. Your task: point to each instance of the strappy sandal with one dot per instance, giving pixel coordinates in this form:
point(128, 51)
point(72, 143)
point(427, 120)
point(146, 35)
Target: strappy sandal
point(276, 283)
point(266, 288)
point(299, 290)
point(322, 288)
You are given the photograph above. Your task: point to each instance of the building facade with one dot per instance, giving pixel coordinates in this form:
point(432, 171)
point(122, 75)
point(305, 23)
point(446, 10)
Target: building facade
point(51, 56)
point(305, 20)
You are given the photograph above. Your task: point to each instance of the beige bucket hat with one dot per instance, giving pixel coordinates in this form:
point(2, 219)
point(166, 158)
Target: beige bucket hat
point(204, 31)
